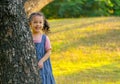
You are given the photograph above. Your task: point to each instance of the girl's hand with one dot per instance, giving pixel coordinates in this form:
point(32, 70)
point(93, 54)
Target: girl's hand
point(40, 64)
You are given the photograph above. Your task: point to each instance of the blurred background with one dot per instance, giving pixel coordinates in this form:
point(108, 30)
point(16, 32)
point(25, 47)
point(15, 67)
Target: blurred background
point(85, 38)
point(74, 8)
point(82, 8)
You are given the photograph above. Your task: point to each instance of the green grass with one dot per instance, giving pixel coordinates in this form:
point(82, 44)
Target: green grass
point(86, 50)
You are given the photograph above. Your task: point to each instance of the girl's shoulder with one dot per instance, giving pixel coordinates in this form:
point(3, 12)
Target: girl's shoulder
point(46, 37)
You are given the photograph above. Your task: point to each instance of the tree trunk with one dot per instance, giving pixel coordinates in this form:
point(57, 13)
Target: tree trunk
point(35, 5)
point(18, 63)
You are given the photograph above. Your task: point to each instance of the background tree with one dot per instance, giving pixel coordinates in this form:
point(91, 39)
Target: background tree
point(116, 7)
point(18, 64)
point(82, 8)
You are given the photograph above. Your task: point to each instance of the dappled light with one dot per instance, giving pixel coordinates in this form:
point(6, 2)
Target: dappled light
point(84, 36)
point(86, 49)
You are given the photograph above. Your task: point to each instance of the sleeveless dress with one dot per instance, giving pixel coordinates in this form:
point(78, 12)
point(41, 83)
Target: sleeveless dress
point(45, 72)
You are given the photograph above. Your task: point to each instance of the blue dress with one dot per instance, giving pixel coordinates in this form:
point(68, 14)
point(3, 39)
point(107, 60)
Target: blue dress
point(46, 72)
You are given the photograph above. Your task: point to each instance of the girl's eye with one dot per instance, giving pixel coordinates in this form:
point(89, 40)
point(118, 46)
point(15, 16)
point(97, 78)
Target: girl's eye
point(40, 22)
point(37, 22)
point(34, 22)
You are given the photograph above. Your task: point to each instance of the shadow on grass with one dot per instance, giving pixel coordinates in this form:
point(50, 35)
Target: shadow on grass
point(83, 24)
point(103, 40)
point(98, 75)
point(111, 36)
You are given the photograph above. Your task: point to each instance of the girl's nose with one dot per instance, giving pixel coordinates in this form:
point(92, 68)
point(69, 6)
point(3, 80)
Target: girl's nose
point(38, 24)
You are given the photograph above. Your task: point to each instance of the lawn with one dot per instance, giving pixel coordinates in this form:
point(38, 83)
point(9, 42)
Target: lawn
point(86, 50)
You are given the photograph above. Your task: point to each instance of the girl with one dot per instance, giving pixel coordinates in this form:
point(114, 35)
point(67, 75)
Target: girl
point(39, 25)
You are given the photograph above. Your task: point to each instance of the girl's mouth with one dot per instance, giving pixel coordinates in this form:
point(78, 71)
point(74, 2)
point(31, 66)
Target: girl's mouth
point(37, 28)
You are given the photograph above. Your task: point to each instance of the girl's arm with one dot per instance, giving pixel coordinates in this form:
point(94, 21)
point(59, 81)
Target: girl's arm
point(45, 57)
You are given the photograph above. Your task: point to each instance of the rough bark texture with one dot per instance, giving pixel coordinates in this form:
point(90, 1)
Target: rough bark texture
point(35, 5)
point(18, 64)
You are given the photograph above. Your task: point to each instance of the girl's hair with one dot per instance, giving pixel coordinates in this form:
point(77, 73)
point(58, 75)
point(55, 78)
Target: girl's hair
point(46, 27)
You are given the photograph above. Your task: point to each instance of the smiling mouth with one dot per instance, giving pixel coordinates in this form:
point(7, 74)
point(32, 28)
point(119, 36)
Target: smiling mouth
point(37, 28)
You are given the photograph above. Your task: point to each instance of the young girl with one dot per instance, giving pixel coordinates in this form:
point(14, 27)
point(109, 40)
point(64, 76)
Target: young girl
point(39, 25)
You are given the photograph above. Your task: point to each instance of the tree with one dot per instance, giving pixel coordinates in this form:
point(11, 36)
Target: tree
point(35, 5)
point(18, 64)
point(81, 8)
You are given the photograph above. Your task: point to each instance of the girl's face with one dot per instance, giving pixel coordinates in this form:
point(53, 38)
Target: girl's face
point(37, 24)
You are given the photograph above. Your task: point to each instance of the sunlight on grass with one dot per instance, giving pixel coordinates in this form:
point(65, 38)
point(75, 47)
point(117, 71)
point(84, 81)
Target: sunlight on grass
point(86, 50)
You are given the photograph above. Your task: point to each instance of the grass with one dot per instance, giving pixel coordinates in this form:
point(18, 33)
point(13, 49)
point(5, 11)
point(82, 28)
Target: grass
point(86, 50)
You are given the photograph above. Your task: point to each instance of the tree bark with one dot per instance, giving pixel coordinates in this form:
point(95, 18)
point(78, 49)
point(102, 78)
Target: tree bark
point(18, 63)
point(35, 5)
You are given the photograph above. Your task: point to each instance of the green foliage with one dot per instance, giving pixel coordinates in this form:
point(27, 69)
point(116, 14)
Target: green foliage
point(116, 7)
point(78, 8)
point(70, 9)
